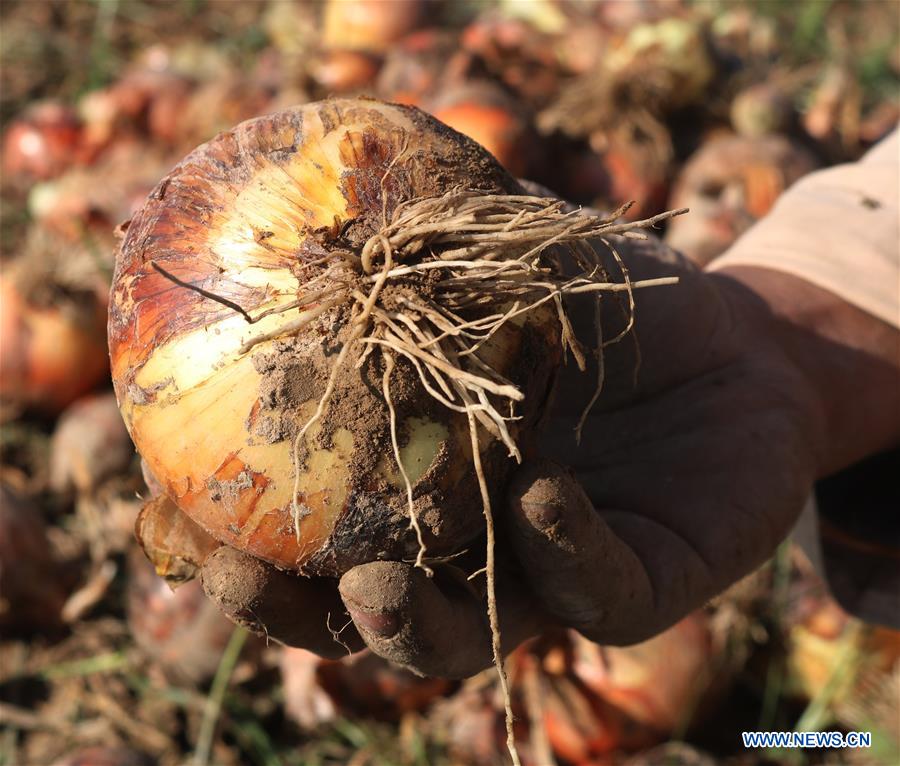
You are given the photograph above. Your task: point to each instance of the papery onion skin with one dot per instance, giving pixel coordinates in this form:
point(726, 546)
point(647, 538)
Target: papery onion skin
point(238, 217)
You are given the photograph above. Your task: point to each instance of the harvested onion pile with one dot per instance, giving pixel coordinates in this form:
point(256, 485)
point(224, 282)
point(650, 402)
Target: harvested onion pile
point(331, 326)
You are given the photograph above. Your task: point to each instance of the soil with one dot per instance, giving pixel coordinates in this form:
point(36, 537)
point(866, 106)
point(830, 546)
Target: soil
point(374, 522)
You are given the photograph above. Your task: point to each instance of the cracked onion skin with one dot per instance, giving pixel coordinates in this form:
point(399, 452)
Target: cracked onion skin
point(239, 217)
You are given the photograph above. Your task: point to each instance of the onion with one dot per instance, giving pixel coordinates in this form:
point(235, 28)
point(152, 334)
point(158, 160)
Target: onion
point(371, 25)
point(580, 725)
point(255, 428)
point(729, 183)
point(33, 591)
point(583, 48)
point(468, 723)
point(217, 105)
point(128, 105)
point(52, 337)
point(656, 683)
point(85, 204)
point(832, 653)
point(317, 690)
point(673, 54)
point(342, 71)
point(518, 54)
point(423, 63)
point(762, 109)
point(581, 703)
point(182, 630)
point(216, 419)
point(43, 142)
point(89, 444)
point(484, 113)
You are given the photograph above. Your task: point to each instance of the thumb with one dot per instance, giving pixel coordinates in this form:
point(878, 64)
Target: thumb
point(581, 571)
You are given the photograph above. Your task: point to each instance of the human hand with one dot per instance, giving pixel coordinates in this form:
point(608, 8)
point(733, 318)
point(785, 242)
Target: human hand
point(684, 481)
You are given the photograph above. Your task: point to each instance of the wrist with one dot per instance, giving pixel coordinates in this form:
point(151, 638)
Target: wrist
point(847, 360)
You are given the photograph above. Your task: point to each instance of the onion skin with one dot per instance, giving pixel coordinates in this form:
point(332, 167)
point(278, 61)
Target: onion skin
point(173, 543)
point(237, 216)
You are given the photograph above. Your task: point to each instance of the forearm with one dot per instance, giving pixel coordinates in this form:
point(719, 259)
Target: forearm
point(849, 358)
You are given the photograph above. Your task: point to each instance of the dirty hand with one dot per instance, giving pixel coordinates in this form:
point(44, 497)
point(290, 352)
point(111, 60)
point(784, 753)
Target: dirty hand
point(685, 480)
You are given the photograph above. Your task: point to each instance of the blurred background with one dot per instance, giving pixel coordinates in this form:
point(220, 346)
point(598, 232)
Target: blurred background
point(718, 106)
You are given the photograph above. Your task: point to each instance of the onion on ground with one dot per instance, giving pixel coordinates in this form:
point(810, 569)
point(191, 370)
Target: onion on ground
point(42, 143)
point(89, 444)
point(52, 309)
point(34, 589)
point(343, 71)
point(370, 25)
point(181, 630)
point(317, 690)
point(421, 64)
point(848, 671)
point(729, 183)
point(486, 114)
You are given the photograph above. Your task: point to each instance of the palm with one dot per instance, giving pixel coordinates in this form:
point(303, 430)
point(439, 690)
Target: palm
point(700, 466)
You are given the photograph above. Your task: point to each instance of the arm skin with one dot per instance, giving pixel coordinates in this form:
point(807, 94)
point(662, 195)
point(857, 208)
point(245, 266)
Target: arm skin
point(851, 359)
point(753, 384)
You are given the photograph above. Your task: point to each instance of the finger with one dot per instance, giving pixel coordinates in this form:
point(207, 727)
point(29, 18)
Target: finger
point(434, 626)
point(293, 610)
point(582, 573)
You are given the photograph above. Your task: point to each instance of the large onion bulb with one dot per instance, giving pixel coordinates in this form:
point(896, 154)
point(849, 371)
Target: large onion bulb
point(214, 403)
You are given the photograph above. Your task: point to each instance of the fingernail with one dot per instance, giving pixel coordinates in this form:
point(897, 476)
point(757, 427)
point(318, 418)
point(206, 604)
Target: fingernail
point(382, 624)
point(541, 515)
